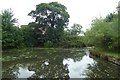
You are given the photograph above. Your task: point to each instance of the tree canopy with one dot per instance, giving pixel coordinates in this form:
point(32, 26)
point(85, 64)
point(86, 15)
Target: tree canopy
point(50, 20)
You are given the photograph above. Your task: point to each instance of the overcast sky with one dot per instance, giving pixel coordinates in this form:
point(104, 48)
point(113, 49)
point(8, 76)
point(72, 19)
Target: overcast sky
point(81, 11)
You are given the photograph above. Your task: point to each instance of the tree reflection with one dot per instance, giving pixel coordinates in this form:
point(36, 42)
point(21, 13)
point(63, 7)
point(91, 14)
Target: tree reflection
point(55, 68)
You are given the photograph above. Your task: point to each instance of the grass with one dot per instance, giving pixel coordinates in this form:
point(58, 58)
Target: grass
point(103, 52)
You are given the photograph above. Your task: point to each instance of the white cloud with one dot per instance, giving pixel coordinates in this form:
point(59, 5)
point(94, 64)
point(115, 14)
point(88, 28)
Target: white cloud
point(81, 11)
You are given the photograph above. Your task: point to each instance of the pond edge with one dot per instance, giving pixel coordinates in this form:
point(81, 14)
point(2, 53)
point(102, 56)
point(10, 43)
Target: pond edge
point(105, 57)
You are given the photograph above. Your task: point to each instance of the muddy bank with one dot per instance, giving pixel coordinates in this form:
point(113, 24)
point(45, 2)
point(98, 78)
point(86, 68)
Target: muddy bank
point(108, 58)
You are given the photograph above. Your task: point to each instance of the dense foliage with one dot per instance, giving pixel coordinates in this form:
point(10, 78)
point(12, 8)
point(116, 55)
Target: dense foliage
point(104, 33)
point(46, 31)
point(50, 21)
point(11, 36)
point(72, 41)
point(28, 35)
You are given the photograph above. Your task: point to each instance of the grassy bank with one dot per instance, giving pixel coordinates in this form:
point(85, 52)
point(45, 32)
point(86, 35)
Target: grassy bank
point(98, 51)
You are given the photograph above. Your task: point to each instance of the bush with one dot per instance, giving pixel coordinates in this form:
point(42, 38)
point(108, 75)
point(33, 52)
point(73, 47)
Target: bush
point(48, 44)
point(104, 34)
point(72, 41)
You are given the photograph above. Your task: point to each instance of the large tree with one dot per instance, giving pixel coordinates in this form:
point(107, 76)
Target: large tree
point(11, 36)
point(50, 20)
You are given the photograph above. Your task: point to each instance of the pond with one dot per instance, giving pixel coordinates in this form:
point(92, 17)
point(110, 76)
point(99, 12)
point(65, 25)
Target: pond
point(55, 63)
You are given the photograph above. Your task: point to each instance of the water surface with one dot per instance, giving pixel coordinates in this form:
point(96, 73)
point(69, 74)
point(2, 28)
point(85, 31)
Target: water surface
point(55, 63)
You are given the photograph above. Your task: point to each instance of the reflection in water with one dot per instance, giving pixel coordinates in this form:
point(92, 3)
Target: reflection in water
point(46, 62)
point(56, 63)
point(79, 69)
point(24, 73)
